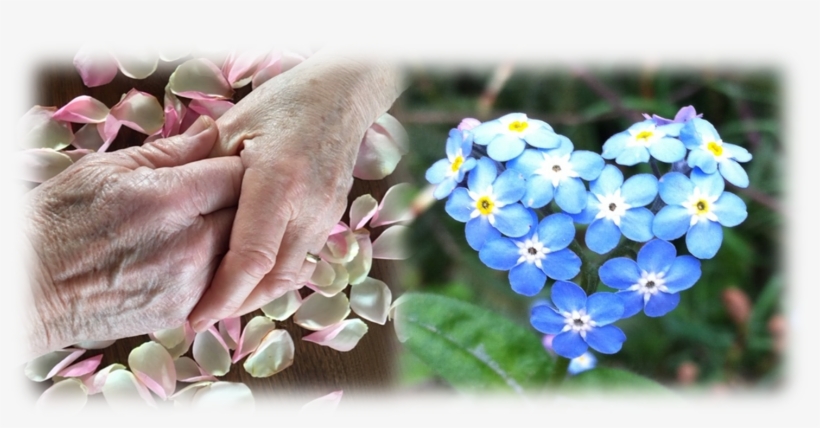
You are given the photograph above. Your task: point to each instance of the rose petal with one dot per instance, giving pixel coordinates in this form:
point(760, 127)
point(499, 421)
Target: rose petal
point(340, 281)
point(199, 78)
point(137, 62)
point(324, 404)
point(359, 267)
point(221, 396)
point(139, 111)
point(185, 345)
point(283, 306)
point(65, 397)
point(95, 382)
point(82, 368)
point(48, 365)
point(212, 108)
point(390, 245)
point(323, 275)
point(211, 352)
point(37, 129)
point(395, 314)
point(174, 113)
point(108, 131)
point(341, 246)
point(122, 391)
point(239, 68)
point(96, 66)
point(169, 337)
point(83, 109)
point(273, 355)
point(381, 149)
point(230, 329)
point(173, 53)
point(362, 210)
point(371, 299)
point(256, 330)
point(189, 371)
point(39, 165)
point(153, 365)
point(92, 344)
point(342, 336)
point(185, 396)
point(395, 206)
point(319, 312)
point(88, 137)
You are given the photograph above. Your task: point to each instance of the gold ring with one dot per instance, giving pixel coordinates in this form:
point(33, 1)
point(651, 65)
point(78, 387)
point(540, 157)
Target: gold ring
point(313, 258)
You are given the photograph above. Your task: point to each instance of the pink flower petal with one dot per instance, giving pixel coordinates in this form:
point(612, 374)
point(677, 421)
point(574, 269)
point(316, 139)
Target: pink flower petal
point(47, 366)
point(371, 299)
point(224, 396)
point(189, 371)
point(188, 119)
point(82, 109)
point(169, 337)
point(340, 280)
point(359, 267)
point(88, 138)
point(174, 112)
point(122, 391)
point(319, 312)
point(341, 246)
point(140, 111)
point(239, 68)
point(199, 78)
point(283, 306)
point(39, 165)
point(38, 129)
point(95, 382)
point(82, 368)
point(390, 245)
point(185, 345)
point(137, 63)
point(395, 206)
point(256, 330)
point(212, 108)
point(324, 404)
point(381, 149)
point(211, 352)
point(362, 210)
point(66, 397)
point(95, 344)
point(173, 53)
point(342, 336)
point(108, 131)
point(96, 66)
point(230, 329)
point(274, 354)
point(468, 123)
point(323, 275)
point(154, 367)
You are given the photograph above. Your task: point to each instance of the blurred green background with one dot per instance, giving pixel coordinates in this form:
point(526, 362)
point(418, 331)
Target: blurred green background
point(727, 332)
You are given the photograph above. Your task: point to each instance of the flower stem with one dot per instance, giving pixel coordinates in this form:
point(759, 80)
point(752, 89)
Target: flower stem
point(655, 169)
point(559, 371)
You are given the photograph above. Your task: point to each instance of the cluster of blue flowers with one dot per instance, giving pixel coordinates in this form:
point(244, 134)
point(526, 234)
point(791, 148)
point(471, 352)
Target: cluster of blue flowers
point(525, 191)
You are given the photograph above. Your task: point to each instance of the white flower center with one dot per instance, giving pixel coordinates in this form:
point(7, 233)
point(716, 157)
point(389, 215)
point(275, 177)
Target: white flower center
point(532, 251)
point(645, 137)
point(484, 203)
point(578, 321)
point(649, 284)
point(700, 207)
point(556, 168)
point(612, 207)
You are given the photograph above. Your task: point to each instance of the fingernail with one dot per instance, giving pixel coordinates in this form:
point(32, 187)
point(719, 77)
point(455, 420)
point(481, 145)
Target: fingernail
point(203, 325)
point(201, 124)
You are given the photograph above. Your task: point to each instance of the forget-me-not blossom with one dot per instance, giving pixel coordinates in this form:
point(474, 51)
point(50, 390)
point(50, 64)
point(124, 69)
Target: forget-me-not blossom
point(507, 136)
point(642, 139)
point(710, 153)
point(449, 172)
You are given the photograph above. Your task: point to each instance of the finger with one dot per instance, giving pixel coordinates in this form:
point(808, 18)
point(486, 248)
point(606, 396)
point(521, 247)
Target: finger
point(213, 232)
point(195, 144)
point(204, 186)
point(291, 272)
point(256, 236)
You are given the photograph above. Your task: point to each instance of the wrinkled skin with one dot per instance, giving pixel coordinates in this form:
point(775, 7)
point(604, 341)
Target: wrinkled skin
point(125, 243)
point(298, 135)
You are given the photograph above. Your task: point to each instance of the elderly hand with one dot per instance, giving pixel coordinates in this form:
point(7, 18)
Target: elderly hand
point(298, 136)
point(127, 242)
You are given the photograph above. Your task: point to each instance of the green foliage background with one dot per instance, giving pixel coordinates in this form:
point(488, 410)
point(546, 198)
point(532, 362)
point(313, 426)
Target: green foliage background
point(588, 106)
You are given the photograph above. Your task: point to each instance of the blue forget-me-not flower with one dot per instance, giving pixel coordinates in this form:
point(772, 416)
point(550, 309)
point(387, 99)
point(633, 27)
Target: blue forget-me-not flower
point(710, 153)
point(449, 172)
point(507, 136)
point(642, 139)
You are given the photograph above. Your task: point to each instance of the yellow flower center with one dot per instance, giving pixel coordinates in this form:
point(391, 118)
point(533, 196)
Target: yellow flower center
point(644, 136)
point(702, 206)
point(484, 205)
point(518, 126)
point(457, 162)
point(715, 148)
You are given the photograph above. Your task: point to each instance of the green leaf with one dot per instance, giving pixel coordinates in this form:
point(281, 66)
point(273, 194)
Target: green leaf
point(603, 379)
point(470, 347)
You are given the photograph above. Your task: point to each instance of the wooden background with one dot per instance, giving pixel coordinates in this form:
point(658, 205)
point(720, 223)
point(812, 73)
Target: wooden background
point(367, 369)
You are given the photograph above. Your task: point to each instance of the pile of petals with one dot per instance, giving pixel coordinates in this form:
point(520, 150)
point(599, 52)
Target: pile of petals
point(521, 189)
point(49, 144)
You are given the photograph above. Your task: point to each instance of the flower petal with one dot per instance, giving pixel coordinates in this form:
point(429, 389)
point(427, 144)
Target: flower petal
point(66, 397)
point(153, 366)
point(499, 253)
point(82, 109)
point(734, 173)
point(556, 231)
point(602, 235)
point(239, 67)
point(222, 396)
point(185, 345)
point(170, 337)
point(139, 111)
point(633, 302)
point(39, 165)
point(381, 149)
point(730, 210)
point(509, 187)
point(505, 147)
point(675, 188)
point(319, 312)
point(528, 162)
point(362, 210)
point(568, 296)
point(569, 345)
point(683, 274)
point(526, 279)
point(211, 108)
point(562, 265)
point(95, 344)
point(96, 66)
point(607, 339)
point(340, 280)
point(95, 382)
point(359, 267)
point(671, 222)
point(255, 330)
point(668, 150)
point(323, 405)
point(615, 145)
point(587, 164)
point(371, 299)
point(137, 63)
point(711, 184)
point(283, 306)
point(546, 320)
point(636, 224)
point(604, 308)
point(702, 159)
point(47, 366)
point(704, 238)
point(230, 329)
point(88, 137)
point(391, 245)
point(656, 256)
point(189, 371)
point(82, 368)
point(342, 245)
point(395, 206)
point(514, 220)
point(539, 192)
point(608, 182)
point(199, 78)
point(460, 205)
point(478, 231)
point(632, 156)
point(39, 130)
point(342, 337)
point(211, 352)
point(273, 355)
point(640, 190)
point(620, 273)
point(122, 391)
point(661, 304)
point(571, 195)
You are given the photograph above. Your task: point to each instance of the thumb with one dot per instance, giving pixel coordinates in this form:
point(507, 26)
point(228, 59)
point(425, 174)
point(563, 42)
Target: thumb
point(193, 145)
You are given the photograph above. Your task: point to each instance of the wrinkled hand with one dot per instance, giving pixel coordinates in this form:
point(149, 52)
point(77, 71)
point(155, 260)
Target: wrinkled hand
point(298, 136)
point(127, 242)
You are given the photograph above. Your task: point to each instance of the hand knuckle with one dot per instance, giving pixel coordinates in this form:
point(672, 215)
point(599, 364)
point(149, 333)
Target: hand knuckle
point(256, 262)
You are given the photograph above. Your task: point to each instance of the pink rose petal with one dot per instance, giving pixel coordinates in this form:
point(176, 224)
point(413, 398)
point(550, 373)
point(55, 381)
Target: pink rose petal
point(82, 368)
point(341, 246)
point(381, 149)
point(395, 206)
point(230, 329)
point(88, 137)
point(359, 266)
point(38, 129)
point(468, 123)
point(96, 381)
point(82, 109)
point(370, 299)
point(212, 108)
point(319, 312)
point(256, 330)
point(140, 111)
point(154, 367)
point(274, 354)
point(96, 66)
point(239, 67)
point(66, 397)
point(122, 391)
point(199, 78)
point(174, 112)
point(342, 336)
point(137, 63)
point(390, 245)
point(340, 280)
point(47, 366)
point(39, 165)
point(211, 352)
point(362, 210)
point(108, 131)
point(283, 306)
point(324, 404)
point(189, 371)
